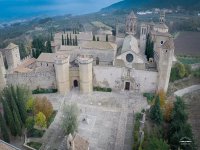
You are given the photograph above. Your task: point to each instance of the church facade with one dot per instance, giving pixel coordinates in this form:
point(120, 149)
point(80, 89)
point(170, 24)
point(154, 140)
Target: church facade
point(121, 67)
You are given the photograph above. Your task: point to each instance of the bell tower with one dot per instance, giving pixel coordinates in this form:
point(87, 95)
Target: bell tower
point(162, 17)
point(131, 23)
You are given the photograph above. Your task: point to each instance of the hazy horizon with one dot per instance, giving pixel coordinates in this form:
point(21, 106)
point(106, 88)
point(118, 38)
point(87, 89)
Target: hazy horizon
point(23, 9)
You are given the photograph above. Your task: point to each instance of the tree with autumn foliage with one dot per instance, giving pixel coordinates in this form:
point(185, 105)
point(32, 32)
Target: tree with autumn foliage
point(168, 108)
point(162, 97)
point(43, 105)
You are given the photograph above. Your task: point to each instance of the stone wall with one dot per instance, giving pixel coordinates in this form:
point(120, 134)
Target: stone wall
point(43, 77)
point(112, 77)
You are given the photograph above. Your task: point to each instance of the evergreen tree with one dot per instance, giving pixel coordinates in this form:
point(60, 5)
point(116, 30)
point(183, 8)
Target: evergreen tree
point(48, 47)
point(156, 113)
point(34, 53)
point(178, 127)
point(149, 52)
point(4, 130)
point(76, 41)
point(73, 42)
point(17, 124)
point(67, 39)
point(70, 39)
point(62, 40)
point(9, 118)
point(21, 102)
point(94, 38)
point(106, 37)
point(22, 51)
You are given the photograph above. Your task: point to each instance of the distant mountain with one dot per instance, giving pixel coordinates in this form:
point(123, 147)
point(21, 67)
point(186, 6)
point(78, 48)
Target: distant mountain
point(146, 4)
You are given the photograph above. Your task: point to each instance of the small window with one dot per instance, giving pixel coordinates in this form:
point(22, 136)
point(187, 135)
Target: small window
point(47, 64)
point(161, 42)
point(166, 51)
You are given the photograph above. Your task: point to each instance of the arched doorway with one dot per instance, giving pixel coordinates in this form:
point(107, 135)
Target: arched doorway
point(75, 83)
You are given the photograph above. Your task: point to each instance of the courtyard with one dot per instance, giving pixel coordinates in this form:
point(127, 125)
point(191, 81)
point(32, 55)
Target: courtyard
point(105, 120)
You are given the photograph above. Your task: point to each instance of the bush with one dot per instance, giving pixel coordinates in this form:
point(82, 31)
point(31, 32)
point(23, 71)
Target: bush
point(102, 89)
point(51, 118)
point(30, 123)
point(40, 120)
point(35, 133)
point(150, 97)
point(178, 72)
point(43, 91)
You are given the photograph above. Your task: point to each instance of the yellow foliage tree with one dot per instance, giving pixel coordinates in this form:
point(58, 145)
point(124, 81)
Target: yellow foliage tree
point(168, 111)
point(40, 120)
point(162, 96)
point(43, 105)
point(30, 104)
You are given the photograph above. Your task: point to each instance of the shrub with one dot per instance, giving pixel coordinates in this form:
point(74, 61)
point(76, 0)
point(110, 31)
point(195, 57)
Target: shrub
point(30, 123)
point(102, 89)
point(178, 71)
point(43, 91)
point(35, 145)
point(40, 120)
point(150, 97)
point(70, 121)
point(35, 133)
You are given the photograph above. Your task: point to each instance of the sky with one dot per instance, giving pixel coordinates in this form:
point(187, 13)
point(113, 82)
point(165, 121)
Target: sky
point(19, 9)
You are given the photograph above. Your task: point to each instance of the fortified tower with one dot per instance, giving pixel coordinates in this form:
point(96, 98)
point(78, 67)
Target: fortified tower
point(165, 63)
point(131, 22)
point(62, 73)
point(2, 73)
point(12, 56)
point(85, 73)
point(143, 36)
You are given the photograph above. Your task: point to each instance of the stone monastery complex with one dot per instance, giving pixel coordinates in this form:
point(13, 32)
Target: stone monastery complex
point(119, 64)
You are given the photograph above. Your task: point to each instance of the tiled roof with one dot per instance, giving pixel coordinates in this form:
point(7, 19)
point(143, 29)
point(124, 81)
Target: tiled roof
point(80, 143)
point(99, 45)
point(46, 57)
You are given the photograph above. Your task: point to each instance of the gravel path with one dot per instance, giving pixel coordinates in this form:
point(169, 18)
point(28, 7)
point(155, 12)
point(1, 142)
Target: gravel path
point(187, 90)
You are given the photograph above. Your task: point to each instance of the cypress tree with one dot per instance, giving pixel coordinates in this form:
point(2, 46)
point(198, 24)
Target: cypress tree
point(21, 103)
point(48, 47)
point(9, 118)
point(4, 130)
point(73, 42)
point(67, 39)
point(17, 124)
point(94, 38)
point(70, 39)
point(62, 40)
point(76, 41)
point(106, 37)
point(52, 39)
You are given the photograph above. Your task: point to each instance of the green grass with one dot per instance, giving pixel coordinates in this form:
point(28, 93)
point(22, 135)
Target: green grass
point(35, 145)
point(188, 59)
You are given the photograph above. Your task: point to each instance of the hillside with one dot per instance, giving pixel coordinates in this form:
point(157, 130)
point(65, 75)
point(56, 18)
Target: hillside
point(146, 4)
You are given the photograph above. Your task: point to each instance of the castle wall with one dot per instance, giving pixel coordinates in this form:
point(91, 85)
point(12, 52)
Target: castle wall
point(44, 78)
point(106, 57)
point(112, 77)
